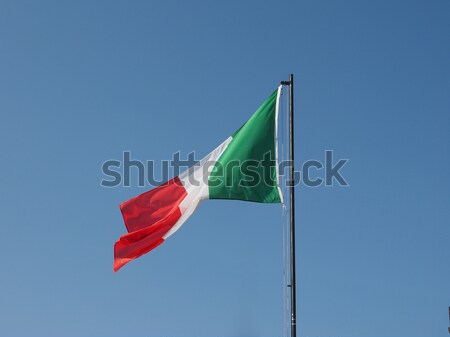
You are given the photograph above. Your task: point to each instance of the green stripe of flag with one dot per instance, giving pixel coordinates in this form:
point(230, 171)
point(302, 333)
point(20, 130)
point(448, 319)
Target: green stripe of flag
point(246, 170)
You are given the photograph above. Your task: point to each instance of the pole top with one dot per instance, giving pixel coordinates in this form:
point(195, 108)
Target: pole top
point(291, 79)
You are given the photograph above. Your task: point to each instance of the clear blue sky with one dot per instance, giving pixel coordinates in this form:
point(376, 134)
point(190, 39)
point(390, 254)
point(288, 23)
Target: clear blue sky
point(82, 81)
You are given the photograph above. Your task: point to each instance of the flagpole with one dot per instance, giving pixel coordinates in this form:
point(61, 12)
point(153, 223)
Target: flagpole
point(292, 205)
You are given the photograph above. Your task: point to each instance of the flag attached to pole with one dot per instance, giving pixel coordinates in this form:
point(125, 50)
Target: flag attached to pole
point(244, 167)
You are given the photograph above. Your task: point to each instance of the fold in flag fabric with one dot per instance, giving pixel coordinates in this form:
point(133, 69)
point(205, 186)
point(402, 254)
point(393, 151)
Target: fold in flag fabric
point(244, 167)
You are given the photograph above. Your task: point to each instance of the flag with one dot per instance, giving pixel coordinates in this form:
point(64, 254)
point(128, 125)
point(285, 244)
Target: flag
point(244, 167)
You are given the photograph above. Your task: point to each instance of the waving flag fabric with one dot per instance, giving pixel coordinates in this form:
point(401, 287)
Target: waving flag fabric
point(244, 167)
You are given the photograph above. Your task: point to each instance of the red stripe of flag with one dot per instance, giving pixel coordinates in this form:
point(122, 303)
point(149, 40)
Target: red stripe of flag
point(148, 217)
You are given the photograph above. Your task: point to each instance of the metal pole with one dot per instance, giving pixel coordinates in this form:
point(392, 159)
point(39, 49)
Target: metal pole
point(292, 205)
point(292, 208)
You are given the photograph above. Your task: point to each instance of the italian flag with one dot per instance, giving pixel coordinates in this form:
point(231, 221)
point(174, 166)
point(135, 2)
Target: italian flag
point(244, 167)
